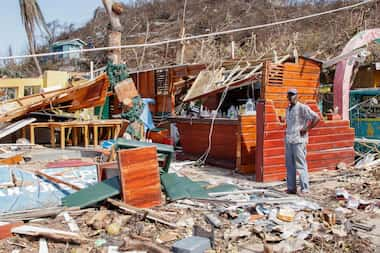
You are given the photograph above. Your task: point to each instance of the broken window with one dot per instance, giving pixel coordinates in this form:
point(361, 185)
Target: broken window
point(30, 90)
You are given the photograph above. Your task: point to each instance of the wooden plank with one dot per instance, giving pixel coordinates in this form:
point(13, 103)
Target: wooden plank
point(271, 117)
point(331, 138)
point(330, 163)
point(330, 154)
point(277, 97)
point(140, 179)
point(15, 126)
point(284, 89)
point(301, 68)
point(57, 180)
point(330, 145)
point(297, 83)
point(273, 143)
point(5, 228)
point(300, 76)
point(330, 130)
point(54, 234)
point(274, 160)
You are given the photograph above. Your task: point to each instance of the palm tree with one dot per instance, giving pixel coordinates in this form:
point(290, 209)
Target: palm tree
point(114, 10)
point(32, 17)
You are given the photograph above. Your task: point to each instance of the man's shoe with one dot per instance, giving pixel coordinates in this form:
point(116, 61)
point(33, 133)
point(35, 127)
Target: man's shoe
point(291, 192)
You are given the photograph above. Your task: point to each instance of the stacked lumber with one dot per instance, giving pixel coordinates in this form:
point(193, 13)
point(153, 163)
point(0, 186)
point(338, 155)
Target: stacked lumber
point(330, 142)
point(139, 175)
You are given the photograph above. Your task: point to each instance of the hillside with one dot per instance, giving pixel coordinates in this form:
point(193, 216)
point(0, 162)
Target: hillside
point(150, 21)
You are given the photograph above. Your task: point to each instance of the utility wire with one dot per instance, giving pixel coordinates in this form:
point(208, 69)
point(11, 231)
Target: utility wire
point(191, 37)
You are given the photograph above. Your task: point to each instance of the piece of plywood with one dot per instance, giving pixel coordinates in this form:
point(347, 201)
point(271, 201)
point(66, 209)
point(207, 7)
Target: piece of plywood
point(126, 89)
point(5, 228)
point(139, 176)
point(206, 81)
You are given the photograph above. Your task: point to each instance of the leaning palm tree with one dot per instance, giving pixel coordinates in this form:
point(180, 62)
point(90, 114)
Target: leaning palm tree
point(32, 17)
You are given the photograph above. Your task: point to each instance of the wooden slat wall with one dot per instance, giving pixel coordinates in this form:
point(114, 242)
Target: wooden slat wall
point(330, 142)
point(140, 178)
point(246, 146)
point(145, 84)
point(279, 78)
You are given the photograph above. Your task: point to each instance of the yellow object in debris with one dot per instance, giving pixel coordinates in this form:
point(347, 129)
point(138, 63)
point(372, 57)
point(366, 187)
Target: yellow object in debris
point(286, 214)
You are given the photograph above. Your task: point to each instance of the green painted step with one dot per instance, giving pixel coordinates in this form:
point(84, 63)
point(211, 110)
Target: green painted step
point(93, 194)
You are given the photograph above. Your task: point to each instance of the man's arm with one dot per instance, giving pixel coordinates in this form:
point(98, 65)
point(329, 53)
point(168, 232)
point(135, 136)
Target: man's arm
point(314, 120)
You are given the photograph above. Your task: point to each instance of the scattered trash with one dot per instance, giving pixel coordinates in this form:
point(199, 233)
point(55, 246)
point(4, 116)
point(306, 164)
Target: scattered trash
point(286, 214)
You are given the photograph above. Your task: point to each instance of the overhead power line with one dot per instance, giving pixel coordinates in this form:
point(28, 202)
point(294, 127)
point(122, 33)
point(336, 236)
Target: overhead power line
point(191, 37)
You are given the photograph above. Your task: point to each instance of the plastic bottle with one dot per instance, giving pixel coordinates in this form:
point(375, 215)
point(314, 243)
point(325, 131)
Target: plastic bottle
point(250, 107)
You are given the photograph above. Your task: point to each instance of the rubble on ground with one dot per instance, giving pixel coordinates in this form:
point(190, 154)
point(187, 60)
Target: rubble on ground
point(341, 214)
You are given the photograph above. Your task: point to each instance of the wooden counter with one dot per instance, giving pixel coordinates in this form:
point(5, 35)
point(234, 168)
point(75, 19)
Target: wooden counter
point(233, 142)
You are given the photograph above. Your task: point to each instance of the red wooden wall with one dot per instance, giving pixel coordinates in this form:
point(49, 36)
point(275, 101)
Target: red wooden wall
point(194, 136)
point(330, 142)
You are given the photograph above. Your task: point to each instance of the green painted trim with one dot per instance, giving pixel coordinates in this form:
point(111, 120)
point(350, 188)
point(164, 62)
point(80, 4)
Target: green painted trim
point(368, 120)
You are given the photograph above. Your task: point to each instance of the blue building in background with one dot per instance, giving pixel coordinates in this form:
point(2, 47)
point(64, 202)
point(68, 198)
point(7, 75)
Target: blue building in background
point(68, 45)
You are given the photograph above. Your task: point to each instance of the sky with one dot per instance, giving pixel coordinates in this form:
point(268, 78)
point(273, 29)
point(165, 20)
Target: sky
point(77, 12)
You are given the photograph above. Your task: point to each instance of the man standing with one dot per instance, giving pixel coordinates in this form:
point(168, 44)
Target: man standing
point(299, 120)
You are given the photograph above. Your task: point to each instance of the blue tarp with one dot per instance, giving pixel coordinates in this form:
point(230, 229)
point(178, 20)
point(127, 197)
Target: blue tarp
point(33, 192)
point(146, 115)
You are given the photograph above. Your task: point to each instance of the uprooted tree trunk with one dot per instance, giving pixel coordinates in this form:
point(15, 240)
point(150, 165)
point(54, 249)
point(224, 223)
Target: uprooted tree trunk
point(114, 36)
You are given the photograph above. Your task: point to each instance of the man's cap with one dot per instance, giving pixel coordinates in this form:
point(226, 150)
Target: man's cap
point(292, 91)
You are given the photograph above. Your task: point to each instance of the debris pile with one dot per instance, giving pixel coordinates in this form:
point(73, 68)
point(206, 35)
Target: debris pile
point(200, 210)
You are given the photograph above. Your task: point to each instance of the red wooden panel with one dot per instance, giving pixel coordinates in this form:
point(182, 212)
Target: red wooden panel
point(300, 76)
point(277, 97)
point(330, 130)
point(283, 90)
point(333, 123)
point(301, 68)
point(277, 151)
point(330, 145)
point(331, 138)
point(271, 117)
point(327, 154)
point(223, 144)
point(139, 176)
point(273, 143)
point(292, 83)
point(274, 135)
point(274, 126)
point(329, 163)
